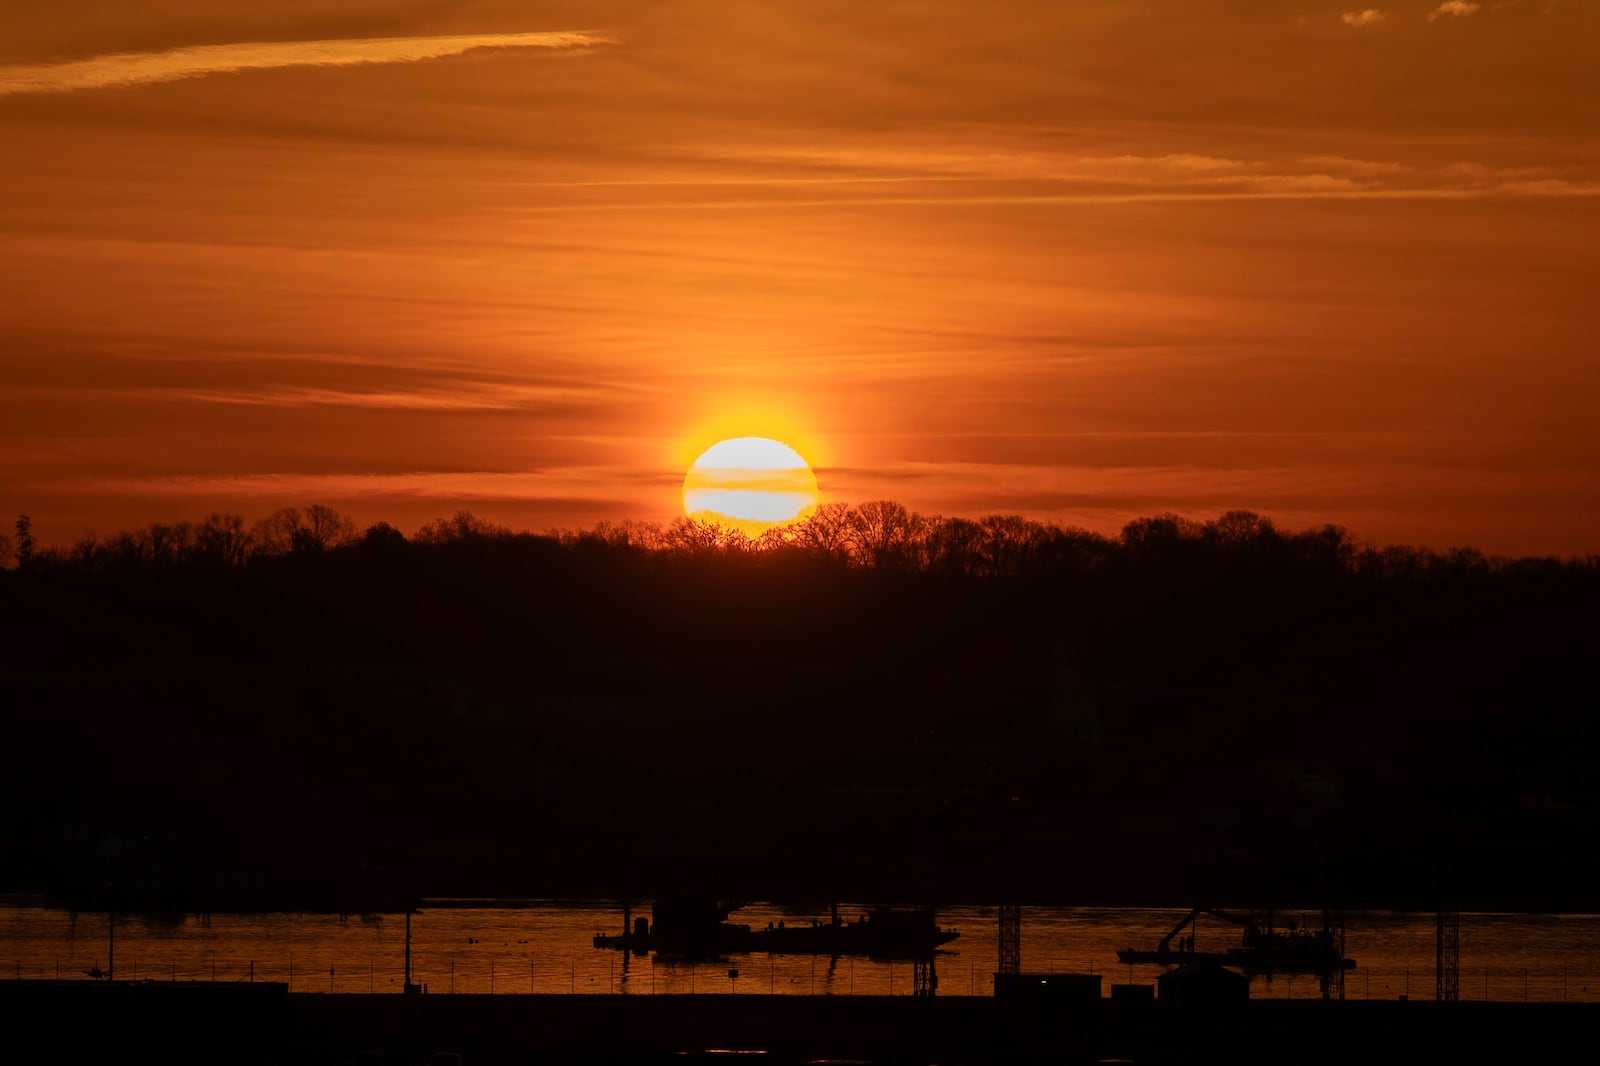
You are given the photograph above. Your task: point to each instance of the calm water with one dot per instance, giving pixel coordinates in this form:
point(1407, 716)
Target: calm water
point(545, 946)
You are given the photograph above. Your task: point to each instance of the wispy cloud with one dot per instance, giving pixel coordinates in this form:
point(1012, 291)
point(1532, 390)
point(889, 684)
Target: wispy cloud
point(1033, 178)
point(565, 483)
point(123, 70)
point(506, 398)
point(1458, 8)
point(1370, 17)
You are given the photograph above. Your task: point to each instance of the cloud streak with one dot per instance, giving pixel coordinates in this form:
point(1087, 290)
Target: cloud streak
point(1312, 190)
point(573, 482)
point(1370, 17)
point(895, 176)
point(1459, 8)
point(125, 70)
point(502, 398)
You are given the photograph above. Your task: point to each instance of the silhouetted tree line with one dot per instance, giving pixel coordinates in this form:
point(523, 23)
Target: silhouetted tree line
point(868, 701)
point(878, 534)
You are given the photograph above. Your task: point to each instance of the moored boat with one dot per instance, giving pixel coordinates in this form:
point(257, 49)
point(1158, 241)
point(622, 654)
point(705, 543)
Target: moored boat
point(883, 932)
point(695, 928)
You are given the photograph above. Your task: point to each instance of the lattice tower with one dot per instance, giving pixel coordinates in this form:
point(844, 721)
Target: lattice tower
point(1447, 957)
point(1010, 938)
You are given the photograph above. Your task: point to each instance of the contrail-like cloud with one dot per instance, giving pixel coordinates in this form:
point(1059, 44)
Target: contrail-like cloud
point(123, 70)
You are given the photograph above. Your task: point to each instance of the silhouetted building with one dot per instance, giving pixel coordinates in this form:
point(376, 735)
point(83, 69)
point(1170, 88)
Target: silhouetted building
point(1202, 984)
point(1133, 994)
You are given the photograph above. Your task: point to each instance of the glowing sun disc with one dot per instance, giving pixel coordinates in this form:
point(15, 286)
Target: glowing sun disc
point(749, 483)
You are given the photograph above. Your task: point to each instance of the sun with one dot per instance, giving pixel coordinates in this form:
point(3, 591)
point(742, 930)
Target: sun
point(750, 484)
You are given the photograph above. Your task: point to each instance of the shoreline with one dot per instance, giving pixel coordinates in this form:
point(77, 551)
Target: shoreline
point(265, 1024)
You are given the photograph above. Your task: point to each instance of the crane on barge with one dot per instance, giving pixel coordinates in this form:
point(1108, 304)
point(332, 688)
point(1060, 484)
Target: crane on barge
point(1261, 951)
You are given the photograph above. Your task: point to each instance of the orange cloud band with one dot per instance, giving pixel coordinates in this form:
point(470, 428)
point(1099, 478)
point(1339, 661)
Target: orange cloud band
point(128, 69)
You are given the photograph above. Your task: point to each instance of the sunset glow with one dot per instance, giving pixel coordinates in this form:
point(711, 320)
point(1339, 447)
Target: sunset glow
point(1077, 262)
point(750, 484)
point(915, 456)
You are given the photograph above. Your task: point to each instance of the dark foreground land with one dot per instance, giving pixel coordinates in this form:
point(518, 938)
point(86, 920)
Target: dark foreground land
point(75, 1023)
point(1184, 712)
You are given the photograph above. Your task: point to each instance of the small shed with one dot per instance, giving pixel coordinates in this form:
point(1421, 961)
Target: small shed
point(1204, 984)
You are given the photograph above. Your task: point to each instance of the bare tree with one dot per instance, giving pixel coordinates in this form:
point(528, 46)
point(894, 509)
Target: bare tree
point(276, 534)
point(181, 541)
point(24, 542)
point(326, 528)
point(382, 535)
point(628, 534)
point(825, 531)
point(223, 539)
point(156, 544)
point(646, 535)
point(696, 536)
point(1158, 531)
point(951, 545)
point(86, 549)
point(463, 525)
point(1010, 544)
point(776, 538)
point(884, 533)
point(1075, 549)
point(1239, 528)
point(130, 549)
point(1333, 547)
point(1389, 562)
point(317, 528)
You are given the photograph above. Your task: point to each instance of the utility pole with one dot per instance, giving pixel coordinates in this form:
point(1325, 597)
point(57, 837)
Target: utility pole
point(1333, 959)
point(409, 988)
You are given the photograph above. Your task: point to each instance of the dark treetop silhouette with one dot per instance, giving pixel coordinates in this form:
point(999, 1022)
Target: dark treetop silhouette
point(873, 702)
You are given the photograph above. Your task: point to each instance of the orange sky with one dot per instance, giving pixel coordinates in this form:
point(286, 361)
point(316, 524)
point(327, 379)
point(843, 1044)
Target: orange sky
point(1082, 261)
